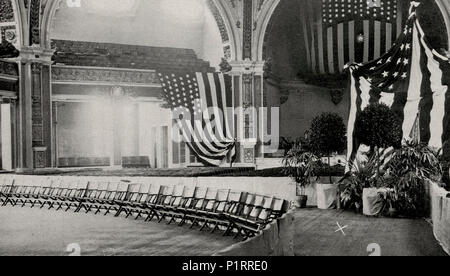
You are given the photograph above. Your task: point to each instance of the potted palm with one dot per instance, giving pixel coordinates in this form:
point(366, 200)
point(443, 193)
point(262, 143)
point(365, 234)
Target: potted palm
point(327, 135)
point(301, 166)
point(358, 179)
point(407, 172)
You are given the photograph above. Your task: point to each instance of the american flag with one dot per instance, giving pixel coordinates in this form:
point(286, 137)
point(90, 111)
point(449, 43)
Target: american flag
point(338, 11)
point(413, 80)
point(203, 109)
point(340, 31)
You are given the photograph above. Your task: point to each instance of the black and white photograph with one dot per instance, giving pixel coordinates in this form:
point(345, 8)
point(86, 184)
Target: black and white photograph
point(225, 129)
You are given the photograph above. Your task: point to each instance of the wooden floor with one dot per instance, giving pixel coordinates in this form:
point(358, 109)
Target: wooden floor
point(34, 232)
point(316, 235)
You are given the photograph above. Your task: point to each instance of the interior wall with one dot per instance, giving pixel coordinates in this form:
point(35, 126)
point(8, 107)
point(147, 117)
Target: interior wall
point(84, 130)
point(304, 105)
point(161, 23)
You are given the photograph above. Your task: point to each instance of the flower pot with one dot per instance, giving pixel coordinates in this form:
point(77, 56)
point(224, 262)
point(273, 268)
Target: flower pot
point(372, 203)
point(326, 196)
point(301, 201)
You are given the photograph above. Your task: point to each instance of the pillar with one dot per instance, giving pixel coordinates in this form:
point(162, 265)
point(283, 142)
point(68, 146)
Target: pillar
point(34, 110)
point(248, 99)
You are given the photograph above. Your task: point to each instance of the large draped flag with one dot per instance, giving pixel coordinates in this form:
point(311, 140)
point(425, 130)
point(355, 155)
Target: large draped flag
point(202, 104)
point(331, 28)
point(413, 80)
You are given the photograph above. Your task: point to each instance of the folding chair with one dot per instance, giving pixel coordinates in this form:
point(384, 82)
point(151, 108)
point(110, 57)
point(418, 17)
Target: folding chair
point(280, 207)
point(206, 213)
point(30, 193)
point(137, 201)
point(106, 197)
point(58, 192)
point(74, 194)
point(81, 198)
point(162, 199)
point(240, 210)
point(177, 209)
point(16, 193)
point(257, 219)
point(131, 197)
point(113, 203)
point(234, 206)
point(5, 189)
point(36, 197)
point(216, 215)
point(147, 203)
point(94, 196)
point(48, 195)
point(197, 203)
point(68, 191)
point(171, 203)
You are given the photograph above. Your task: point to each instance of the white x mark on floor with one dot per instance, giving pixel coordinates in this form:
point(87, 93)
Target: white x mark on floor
point(341, 228)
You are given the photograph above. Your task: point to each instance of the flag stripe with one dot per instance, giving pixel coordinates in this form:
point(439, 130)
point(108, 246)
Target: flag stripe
point(306, 36)
point(341, 55)
point(377, 40)
point(351, 41)
point(366, 26)
point(320, 40)
point(311, 20)
point(388, 36)
point(330, 50)
point(412, 106)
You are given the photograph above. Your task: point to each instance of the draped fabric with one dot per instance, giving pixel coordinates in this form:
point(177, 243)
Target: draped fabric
point(202, 104)
point(413, 80)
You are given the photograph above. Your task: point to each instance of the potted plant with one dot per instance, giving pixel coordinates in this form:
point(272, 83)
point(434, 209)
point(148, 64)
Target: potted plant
point(359, 178)
point(379, 128)
point(326, 136)
point(301, 166)
point(407, 173)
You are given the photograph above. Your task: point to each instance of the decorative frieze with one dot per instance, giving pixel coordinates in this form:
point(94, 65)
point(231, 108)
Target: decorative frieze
point(220, 22)
point(104, 76)
point(8, 34)
point(6, 11)
point(248, 29)
point(35, 12)
point(8, 68)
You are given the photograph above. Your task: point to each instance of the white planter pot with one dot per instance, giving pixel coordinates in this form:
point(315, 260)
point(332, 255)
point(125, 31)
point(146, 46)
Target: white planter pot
point(372, 204)
point(326, 196)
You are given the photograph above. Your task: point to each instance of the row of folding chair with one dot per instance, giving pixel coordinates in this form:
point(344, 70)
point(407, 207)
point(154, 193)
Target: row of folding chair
point(232, 211)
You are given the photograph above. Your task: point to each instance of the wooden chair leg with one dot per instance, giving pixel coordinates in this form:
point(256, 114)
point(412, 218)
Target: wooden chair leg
point(215, 228)
point(139, 214)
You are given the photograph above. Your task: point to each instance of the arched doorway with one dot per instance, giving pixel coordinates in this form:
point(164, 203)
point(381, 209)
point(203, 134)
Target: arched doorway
point(307, 44)
point(105, 93)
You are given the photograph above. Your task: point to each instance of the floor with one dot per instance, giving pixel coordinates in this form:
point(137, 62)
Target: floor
point(318, 234)
point(35, 232)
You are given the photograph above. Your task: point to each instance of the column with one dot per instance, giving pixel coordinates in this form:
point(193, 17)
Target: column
point(248, 98)
point(34, 110)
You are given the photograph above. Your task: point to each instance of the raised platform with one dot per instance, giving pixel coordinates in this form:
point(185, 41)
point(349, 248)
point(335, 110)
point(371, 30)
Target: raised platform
point(143, 172)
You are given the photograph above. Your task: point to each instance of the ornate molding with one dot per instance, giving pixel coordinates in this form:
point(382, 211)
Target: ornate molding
point(9, 68)
point(104, 76)
point(6, 11)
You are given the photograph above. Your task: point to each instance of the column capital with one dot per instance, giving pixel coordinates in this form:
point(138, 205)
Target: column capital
point(35, 55)
point(247, 67)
